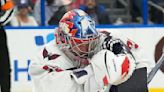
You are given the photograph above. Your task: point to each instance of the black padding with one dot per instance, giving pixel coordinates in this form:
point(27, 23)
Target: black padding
point(80, 73)
point(137, 83)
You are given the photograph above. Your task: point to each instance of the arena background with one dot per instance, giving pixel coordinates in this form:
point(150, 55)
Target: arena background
point(25, 42)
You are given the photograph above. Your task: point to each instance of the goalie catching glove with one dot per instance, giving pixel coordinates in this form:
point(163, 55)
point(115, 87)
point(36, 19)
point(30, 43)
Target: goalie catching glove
point(112, 69)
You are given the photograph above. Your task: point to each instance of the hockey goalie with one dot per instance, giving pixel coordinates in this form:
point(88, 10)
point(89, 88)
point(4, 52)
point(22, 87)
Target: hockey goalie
point(81, 59)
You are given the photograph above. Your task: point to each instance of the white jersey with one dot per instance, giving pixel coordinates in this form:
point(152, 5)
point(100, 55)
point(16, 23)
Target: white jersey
point(52, 71)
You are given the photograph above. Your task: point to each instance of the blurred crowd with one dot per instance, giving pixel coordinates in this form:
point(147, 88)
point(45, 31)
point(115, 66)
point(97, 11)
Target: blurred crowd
point(115, 12)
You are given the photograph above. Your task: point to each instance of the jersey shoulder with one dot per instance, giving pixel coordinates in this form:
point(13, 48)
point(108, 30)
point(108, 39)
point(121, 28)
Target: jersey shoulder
point(51, 51)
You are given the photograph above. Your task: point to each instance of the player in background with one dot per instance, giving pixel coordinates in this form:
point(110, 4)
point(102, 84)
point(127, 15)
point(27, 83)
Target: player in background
point(7, 10)
point(81, 59)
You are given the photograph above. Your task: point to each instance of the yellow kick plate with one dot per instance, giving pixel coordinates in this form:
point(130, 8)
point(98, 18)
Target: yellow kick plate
point(156, 89)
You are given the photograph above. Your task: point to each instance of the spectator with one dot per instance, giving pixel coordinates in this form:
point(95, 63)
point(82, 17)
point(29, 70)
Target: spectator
point(96, 11)
point(30, 2)
point(76, 4)
point(136, 10)
point(22, 18)
point(55, 18)
point(51, 6)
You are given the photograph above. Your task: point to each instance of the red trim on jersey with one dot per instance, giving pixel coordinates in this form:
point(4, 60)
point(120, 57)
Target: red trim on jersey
point(45, 53)
point(50, 57)
point(136, 46)
point(105, 80)
point(58, 70)
point(50, 69)
point(129, 44)
point(54, 56)
point(132, 44)
point(125, 67)
point(45, 67)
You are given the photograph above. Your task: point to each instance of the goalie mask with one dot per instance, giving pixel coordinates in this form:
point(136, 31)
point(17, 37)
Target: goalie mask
point(77, 33)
